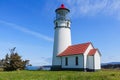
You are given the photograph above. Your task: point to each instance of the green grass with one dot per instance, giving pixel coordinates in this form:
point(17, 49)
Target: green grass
point(60, 75)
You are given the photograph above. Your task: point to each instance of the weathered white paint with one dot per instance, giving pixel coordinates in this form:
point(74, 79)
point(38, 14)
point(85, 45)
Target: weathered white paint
point(97, 61)
point(71, 61)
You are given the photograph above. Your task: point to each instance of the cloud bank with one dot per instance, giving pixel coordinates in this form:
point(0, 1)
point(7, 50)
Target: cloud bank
point(25, 30)
point(94, 7)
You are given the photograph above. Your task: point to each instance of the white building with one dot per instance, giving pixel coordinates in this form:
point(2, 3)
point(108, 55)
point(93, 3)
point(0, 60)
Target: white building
point(66, 56)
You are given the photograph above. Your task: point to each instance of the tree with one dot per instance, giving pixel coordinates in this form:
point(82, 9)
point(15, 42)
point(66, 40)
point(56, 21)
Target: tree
point(14, 61)
point(6, 62)
point(1, 63)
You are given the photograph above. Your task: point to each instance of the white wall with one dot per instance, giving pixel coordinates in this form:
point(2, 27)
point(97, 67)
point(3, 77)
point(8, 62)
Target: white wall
point(90, 62)
point(85, 55)
point(62, 39)
point(93, 62)
point(97, 60)
point(71, 61)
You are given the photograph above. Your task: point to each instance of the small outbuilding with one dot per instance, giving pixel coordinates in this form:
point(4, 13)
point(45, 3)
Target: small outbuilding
point(81, 56)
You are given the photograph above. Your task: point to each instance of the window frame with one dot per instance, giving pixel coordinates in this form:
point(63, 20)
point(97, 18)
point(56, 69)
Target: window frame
point(66, 61)
point(76, 61)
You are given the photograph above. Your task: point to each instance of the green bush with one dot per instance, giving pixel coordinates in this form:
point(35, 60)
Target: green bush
point(1, 69)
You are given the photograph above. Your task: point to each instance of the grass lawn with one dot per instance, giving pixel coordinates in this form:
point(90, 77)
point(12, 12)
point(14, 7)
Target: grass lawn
point(61, 75)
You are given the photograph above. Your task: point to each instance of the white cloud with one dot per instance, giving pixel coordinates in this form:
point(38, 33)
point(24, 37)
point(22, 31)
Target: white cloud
point(94, 7)
point(25, 30)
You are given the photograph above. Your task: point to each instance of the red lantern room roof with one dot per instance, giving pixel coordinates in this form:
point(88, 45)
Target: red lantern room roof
point(62, 7)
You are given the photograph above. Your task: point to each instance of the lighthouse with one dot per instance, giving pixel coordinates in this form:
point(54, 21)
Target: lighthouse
point(67, 56)
point(62, 34)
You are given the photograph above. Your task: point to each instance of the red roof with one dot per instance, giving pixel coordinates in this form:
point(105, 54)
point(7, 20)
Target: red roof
point(62, 6)
point(92, 52)
point(75, 49)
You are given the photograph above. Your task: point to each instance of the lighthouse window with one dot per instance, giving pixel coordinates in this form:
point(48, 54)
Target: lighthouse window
point(66, 61)
point(76, 61)
point(61, 15)
point(56, 24)
point(68, 24)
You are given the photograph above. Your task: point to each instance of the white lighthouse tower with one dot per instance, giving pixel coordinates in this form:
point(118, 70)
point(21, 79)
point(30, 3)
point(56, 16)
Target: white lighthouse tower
point(62, 34)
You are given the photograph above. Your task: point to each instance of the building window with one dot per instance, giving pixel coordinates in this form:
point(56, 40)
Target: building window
point(76, 61)
point(66, 61)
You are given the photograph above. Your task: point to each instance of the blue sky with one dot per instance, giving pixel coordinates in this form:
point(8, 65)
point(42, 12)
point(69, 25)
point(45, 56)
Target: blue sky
point(28, 25)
